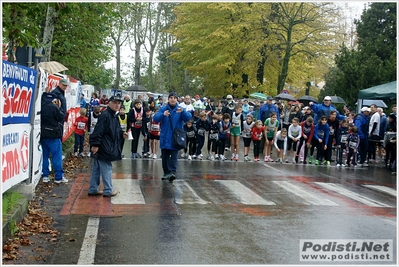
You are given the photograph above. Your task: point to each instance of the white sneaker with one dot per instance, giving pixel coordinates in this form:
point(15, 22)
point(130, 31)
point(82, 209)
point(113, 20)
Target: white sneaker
point(246, 158)
point(216, 156)
point(194, 156)
point(183, 155)
point(154, 156)
point(212, 158)
point(189, 157)
point(200, 156)
point(222, 157)
point(233, 156)
point(75, 154)
point(208, 156)
point(63, 180)
point(338, 165)
point(45, 179)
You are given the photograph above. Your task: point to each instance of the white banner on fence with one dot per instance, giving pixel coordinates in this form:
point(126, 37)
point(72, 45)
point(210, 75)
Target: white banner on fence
point(15, 158)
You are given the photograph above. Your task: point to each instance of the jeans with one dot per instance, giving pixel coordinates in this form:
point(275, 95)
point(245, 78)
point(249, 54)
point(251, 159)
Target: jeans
point(101, 168)
point(169, 160)
point(79, 140)
point(53, 147)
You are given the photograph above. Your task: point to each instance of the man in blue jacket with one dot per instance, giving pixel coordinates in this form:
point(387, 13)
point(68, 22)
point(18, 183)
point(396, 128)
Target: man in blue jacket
point(178, 115)
point(105, 148)
point(325, 109)
point(361, 121)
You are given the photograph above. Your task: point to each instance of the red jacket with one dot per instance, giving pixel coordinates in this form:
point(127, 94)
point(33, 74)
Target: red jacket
point(81, 125)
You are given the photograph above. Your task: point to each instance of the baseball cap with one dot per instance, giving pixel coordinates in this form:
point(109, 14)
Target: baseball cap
point(204, 98)
point(115, 98)
point(269, 98)
point(365, 109)
point(327, 98)
point(229, 97)
point(64, 81)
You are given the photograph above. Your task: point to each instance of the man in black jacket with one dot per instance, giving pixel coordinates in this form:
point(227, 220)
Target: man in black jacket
point(105, 148)
point(51, 115)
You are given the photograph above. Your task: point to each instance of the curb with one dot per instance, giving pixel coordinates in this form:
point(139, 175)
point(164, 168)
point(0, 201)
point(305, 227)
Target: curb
point(17, 216)
point(9, 220)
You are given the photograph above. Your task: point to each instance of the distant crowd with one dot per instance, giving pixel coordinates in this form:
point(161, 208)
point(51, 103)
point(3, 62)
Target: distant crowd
point(297, 133)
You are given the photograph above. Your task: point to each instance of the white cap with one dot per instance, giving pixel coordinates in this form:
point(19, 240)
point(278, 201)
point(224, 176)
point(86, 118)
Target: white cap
point(204, 98)
point(229, 97)
point(327, 98)
point(365, 109)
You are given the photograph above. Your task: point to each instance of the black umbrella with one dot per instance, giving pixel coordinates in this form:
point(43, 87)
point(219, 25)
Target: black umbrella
point(284, 96)
point(337, 100)
point(306, 99)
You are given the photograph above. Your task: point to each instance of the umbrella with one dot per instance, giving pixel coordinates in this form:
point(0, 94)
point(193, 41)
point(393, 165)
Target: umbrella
point(258, 96)
point(379, 103)
point(337, 100)
point(285, 96)
point(52, 67)
point(306, 99)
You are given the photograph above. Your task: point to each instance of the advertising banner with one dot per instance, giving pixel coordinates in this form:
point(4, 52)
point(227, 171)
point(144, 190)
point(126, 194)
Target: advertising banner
point(19, 83)
point(15, 156)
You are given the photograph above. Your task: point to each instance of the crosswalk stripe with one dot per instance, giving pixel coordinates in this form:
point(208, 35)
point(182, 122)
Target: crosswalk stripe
point(244, 194)
point(129, 192)
point(362, 199)
point(308, 197)
point(186, 194)
point(88, 250)
point(384, 189)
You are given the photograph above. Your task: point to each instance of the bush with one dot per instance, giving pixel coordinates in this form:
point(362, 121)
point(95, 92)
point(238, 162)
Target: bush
point(10, 199)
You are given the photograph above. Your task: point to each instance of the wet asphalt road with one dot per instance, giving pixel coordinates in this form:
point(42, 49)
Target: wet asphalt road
point(224, 213)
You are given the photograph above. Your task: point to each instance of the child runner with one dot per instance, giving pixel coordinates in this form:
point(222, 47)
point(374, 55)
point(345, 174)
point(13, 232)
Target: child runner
point(294, 134)
point(257, 133)
point(246, 135)
point(271, 127)
point(352, 144)
point(333, 122)
point(342, 135)
point(146, 139)
point(135, 118)
point(280, 143)
point(235, 132)
point(81, 126)
point(155, 132)
point(214, 136)
point(123, 122)
point(320, 138)
point(307, 136)
point(201, 126)
point(191, 140)
point(224, 134)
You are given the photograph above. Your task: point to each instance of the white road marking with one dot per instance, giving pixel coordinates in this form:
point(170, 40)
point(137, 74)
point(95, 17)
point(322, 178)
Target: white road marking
point(129, 192)
point(186, 194)
point(362, 199)
point(310, 199)
point(88, 250)
point(384, 189)
point(244, 194)
point(390, 222)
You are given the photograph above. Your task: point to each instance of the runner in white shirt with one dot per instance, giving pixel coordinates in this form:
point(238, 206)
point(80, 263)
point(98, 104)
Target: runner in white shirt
point(187, 104)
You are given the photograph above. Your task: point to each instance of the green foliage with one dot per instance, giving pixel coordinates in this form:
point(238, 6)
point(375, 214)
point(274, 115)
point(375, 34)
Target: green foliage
point(9, 200)
point(373, 62)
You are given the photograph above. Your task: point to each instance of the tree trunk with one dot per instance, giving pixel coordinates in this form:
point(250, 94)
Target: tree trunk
point(48, 32)
point(137, 63)
point(118, 66)
point(286, 61)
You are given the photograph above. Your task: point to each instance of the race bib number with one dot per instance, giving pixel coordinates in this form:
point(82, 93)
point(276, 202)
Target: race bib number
point(124, 127)
point(332, 131)
point(81, 125)
point(190, 134)
point(138, 123)
point(344, 138)
point(214, 136)
point(155, 127)
point(352, 144)
point(201, 132)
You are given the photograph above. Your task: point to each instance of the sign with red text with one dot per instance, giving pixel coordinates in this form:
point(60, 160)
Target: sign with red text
point(15, 156)
point(18, 85)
